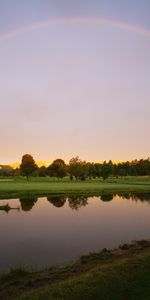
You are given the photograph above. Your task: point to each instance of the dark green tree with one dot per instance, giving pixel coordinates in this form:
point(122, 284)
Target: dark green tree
point(57, 168)
point(6, 171)
point(42, 171)
point(78, 168)
point(122, 172)
point(28, 165)
point(98, 168)
point(107, 170)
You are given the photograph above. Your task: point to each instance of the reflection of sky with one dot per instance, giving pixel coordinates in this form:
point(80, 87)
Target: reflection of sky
point(74, 89)
point(48, 235)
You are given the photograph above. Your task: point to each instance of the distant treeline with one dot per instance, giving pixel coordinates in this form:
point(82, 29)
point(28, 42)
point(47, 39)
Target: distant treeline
point(78, 169)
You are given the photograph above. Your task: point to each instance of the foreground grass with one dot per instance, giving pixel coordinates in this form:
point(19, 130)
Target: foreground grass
point(46, 185)
point(120, 274)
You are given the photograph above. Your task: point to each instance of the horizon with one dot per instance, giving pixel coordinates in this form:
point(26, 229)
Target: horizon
point(47, 163)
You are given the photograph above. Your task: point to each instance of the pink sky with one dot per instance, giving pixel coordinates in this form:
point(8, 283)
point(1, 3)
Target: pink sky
point(74, 89)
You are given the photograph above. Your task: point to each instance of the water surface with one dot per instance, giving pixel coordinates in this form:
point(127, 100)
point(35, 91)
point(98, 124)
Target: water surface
point(39, 232)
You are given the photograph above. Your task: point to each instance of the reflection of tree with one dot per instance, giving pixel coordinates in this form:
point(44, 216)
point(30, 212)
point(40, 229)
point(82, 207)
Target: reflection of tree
point(140, 196)
point(27, 202)
point(136, 196)
point(57, 201)
point(107, 197)
point(76, 202)
point(7, 208)
point(125, 195)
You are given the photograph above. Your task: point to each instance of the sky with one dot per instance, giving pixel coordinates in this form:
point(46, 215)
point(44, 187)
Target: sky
point(74, 88)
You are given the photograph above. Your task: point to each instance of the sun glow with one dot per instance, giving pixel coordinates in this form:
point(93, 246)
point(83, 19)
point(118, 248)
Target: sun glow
point(39, 163)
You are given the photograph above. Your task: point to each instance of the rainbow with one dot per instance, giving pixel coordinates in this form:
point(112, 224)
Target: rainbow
point(77, 20)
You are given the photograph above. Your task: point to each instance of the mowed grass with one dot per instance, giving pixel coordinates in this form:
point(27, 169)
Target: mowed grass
point(52, 185)
point(122, 274)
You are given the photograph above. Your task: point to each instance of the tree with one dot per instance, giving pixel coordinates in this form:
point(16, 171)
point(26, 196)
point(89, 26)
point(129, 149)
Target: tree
point(57, 168)
point(42, 171)
point(97, 167)
point(122, 172)
point(6, 170)
point(107, 170)
point(28, 165)
point(77, 168)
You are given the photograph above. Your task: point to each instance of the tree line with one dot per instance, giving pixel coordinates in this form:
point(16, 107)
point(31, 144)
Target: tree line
point(78, 169)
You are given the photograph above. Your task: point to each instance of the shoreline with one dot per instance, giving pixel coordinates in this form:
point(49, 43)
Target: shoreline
point(69, 193)
point(128, 261)
point(42, 187)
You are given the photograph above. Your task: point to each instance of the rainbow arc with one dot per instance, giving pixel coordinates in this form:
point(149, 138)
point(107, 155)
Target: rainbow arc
point(73, 21)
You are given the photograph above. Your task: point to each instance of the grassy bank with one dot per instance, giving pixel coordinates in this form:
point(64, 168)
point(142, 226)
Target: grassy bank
point(52, 186)
point(120, 274)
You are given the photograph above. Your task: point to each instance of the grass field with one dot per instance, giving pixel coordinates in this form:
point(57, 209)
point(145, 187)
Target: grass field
point(42, 186)
point(121, 274)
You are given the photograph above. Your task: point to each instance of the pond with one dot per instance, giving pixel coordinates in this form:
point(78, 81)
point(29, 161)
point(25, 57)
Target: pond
point(46, 231)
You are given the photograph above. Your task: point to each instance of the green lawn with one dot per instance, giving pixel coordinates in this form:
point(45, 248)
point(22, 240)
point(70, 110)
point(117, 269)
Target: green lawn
point(122, 274)
point(43, 186)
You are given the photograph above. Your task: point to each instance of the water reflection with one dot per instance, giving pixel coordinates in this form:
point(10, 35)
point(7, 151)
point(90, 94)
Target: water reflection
point(7, 208)
point(55, 229)
point(107, 197)
point(75, 202)
point(57, 201)
point(142, 197)
point(27, 202)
